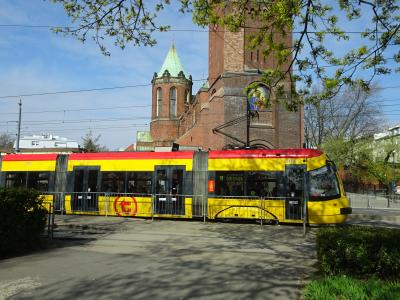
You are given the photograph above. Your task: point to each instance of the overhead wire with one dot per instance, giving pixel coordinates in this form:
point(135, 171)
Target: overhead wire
point(78, 109)
point(128, 86)
point(144, 106)
point(88, 123)
point(33, 26)
point(110, 88)
point(129, 118)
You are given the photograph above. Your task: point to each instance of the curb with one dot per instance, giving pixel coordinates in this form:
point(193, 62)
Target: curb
point(365, 217)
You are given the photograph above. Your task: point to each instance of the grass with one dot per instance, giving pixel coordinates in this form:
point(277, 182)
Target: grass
point(343, 288)
point(359, 263)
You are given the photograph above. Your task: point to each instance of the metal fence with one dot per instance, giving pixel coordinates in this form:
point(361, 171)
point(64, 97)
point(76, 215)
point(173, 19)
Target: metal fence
point(374, 200)
point(49, 228)
point(177, 206)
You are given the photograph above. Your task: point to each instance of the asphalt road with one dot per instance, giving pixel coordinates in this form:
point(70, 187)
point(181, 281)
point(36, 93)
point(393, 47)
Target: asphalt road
point(375, 217)
point(116, 258)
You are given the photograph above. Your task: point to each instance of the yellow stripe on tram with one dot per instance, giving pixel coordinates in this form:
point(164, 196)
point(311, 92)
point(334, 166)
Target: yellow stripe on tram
point(15, 166)
point(130, 164)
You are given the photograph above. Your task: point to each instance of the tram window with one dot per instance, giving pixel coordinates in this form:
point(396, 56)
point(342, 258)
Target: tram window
point(177, 178)
point(229, 183)
point(16, 180)
point(78, 181)
point(323, 184)
point(113, 182)
point(38, 181)
point(140, 182)
point(260, 184)
point(264, 184)
point(161, 183)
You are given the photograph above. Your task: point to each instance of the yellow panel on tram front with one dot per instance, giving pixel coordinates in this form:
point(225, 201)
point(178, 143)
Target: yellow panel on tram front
point(327, 211)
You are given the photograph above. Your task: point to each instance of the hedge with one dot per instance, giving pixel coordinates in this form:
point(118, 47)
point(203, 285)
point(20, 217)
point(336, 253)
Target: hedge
point(22, 220)
point(359, 251)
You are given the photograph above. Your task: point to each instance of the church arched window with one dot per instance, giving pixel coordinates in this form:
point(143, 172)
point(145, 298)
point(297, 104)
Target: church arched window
point(172, 100)
point(159, 101)
point(187, 97)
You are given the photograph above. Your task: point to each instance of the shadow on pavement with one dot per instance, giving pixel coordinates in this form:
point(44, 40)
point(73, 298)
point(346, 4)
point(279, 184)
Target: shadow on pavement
point(219, 261)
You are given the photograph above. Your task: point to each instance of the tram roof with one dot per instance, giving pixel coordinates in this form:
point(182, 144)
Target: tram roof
point(213, 154)
point(30, 157)
point(273, 153)
point(131, 155)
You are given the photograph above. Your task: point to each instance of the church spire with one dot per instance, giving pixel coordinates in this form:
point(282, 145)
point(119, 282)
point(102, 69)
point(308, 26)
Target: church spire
point(172, 63)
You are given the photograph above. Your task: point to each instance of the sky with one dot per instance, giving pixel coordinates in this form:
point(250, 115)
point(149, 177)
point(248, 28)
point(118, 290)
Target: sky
point(34, 60)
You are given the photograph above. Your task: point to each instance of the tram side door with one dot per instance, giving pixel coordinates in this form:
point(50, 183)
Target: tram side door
point(86, 183)
point(294, 177)
point(169, 187)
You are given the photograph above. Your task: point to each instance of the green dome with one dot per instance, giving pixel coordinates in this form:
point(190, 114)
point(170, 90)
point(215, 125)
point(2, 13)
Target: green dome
point(172, 63)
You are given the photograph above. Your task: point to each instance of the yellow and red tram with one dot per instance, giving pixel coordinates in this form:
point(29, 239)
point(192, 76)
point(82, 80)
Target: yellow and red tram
point(284, 185)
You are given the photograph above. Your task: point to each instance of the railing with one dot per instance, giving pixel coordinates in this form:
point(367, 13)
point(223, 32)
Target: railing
point(49, 229)
point(266, 209)
point(372, 200)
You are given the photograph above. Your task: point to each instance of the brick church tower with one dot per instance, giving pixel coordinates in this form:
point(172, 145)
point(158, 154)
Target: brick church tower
point(217, 117)
point(171, 93)
point(231, 67)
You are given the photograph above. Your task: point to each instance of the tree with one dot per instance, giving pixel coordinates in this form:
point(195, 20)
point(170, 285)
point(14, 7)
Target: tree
point(344, 127)
point(90, 143)
point(306, 59)
point(350, 115)
point(6, 142)
point(366, 160)
point(384, 167)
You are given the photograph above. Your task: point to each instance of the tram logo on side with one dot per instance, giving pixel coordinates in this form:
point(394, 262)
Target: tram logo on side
point(125, 206)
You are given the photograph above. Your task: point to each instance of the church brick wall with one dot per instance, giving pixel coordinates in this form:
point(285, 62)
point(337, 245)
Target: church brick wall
point(233, 51)
point(231, 67)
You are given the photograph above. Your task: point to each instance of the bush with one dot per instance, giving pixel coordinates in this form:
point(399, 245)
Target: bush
point(342, 287)
point(22, 220)
point(359, 251)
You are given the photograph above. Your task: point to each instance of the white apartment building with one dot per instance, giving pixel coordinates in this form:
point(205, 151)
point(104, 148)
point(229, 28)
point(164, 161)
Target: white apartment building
point(47, 143)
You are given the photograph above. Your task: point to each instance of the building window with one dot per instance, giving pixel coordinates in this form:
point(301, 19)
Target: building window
point(60, 145)
point(172, 100)
point(35, 143)
point(159, 102)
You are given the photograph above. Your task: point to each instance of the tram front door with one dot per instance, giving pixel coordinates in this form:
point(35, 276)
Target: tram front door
point(169, 197)
point(294, 175)
point(86, 182)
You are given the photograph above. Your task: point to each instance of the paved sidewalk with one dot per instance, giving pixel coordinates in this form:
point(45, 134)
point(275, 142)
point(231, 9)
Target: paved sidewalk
point(122, 258)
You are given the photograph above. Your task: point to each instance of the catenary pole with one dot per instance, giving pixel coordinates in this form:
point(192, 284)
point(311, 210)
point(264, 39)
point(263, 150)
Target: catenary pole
point(19, 125)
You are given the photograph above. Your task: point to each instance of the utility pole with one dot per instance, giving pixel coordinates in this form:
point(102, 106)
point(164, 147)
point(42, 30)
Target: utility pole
point(247, 123)
point(19, 125)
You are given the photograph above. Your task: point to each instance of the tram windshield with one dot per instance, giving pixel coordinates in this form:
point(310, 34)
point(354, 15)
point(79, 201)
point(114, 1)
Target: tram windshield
point(324, 184)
